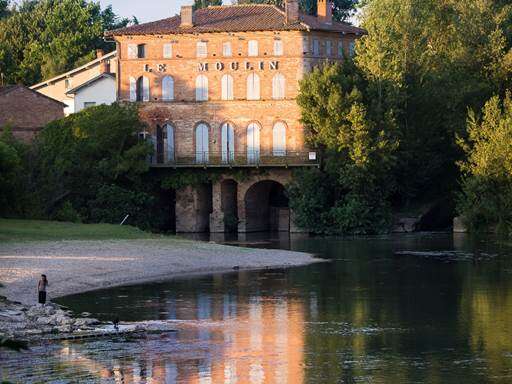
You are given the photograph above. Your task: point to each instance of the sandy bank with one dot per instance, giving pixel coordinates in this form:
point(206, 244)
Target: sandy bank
point(79, 266)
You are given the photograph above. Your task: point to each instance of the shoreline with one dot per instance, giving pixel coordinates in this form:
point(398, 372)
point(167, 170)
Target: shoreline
point(78, 266)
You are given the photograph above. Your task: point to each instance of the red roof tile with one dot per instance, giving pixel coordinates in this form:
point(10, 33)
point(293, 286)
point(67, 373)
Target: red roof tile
point(235, 18)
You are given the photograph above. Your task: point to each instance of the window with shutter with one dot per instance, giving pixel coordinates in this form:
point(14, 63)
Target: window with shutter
point(328, 48)
point(168, 51)
point(316, 47)
point(202, 150)
point(201, 88)
point(141, 51)
point(202, 49)
point(253, 87)
point(167, 88)
point(253, 48)
point(278, 86)
point(352, 48)
point(227, 87)
point(226, 49)
point(279, 139)
point(340, 48)
point(278, 47)
point(133, 89)
point(132, 51)
point(228, 142)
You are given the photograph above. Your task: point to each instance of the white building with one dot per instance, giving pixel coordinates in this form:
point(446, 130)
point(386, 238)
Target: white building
point(99, 90)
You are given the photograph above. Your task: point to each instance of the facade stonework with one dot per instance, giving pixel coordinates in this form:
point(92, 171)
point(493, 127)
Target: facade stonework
point(218, 88)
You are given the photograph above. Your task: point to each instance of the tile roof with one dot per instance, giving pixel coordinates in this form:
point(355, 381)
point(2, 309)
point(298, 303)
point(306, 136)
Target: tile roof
point(8, 88)
point(235, 18)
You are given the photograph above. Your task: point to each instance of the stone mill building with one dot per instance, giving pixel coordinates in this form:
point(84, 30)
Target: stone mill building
point(217, 89)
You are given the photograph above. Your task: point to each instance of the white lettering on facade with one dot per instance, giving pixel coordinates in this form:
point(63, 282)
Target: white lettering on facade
point(234, 66)
point(203, 67)
point(261, 65)
point(274, 65)
point(162, 67)
point(219, 66)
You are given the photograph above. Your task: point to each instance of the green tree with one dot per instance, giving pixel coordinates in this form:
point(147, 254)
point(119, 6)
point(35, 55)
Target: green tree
point(206, 3)
point(4, 8)
point(94, 161)
point(429, 61)
point(358, 147)
point(43, 38)
point(486, 198)
point(10, 167)
point(341, 11)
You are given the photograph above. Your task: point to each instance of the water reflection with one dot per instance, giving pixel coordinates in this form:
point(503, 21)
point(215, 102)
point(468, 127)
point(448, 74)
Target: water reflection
point(369, 316)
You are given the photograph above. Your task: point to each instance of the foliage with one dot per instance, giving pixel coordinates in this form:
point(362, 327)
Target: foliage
point(67, 213)
point(486, 198)
point(358, 146)
point(341, 11)
point(40, 39)
point(85, 156)
point(206, 3)
point(429, 61)
point(13, 174)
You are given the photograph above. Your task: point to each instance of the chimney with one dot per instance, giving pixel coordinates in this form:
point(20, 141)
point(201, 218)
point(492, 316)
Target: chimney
point(324, 11)
point(99, 53)
point(105, 66)
point(187, 16)
point(292, 11)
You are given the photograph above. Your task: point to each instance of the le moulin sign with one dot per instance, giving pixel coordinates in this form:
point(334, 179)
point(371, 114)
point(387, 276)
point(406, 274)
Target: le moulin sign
point(220, 66)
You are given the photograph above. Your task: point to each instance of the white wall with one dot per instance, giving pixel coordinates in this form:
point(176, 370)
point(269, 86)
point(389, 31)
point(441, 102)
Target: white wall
point(102, 91)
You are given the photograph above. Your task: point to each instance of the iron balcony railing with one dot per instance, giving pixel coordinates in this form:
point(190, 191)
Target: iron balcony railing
point(237, 159)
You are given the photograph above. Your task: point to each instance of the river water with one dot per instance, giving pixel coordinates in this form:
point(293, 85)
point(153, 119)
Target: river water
point(372, 313)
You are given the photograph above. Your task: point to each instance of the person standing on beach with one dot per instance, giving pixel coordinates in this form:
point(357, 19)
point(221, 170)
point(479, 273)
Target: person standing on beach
point(41, 288)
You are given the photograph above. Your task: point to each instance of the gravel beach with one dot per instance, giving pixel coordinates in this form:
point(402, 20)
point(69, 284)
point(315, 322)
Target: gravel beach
point(79, 266)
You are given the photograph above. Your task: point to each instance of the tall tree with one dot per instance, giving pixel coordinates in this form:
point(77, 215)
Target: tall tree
point(432, 60)
point(206, 3)
point(42, 38)
point(342, 10)
point(4, 8)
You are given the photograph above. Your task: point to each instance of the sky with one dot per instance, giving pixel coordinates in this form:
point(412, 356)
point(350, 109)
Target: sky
point(146, 10)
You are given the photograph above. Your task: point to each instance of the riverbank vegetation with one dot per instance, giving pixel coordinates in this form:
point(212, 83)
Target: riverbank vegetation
point(387, 122)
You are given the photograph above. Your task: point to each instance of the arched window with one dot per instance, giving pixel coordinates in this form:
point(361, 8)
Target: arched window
point(228, 142)
point(278, 86)
point(142, 89)
point(169, 145)
point(202, 143)
point(279, 139)
point(201, 88)
point(167, 88)
point(253, 143)
point(253, 87)
point(227, 87)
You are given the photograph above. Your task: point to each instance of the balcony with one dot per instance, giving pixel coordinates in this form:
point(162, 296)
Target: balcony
point(237, 160)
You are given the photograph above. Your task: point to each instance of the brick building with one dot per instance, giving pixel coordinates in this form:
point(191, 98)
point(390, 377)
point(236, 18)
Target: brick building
point(217, 88)
point(27, 111)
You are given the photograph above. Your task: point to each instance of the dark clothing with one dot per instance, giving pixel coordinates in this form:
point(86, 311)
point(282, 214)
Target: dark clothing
point(42, 297)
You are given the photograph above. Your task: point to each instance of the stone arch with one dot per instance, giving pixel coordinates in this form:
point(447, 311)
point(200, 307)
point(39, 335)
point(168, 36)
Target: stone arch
point(265, 207)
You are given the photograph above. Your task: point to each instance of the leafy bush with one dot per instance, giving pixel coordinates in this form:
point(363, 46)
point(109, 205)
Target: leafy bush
point(486, 198)
point(67, 213)
point(82, 158)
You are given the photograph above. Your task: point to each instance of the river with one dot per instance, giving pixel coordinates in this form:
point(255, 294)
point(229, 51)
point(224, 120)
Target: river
point(419, 308)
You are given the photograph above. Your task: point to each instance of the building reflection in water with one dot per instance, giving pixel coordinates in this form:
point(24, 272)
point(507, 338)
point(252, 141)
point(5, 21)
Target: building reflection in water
point(233, 338)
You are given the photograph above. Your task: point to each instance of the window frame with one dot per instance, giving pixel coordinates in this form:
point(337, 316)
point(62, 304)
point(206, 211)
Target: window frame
point(226, 44)
point(167, 50)
point(201, 49)
point(252, 48)
point(278, 47)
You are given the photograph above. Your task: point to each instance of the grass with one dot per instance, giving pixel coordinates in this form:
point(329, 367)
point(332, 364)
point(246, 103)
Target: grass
point(37, 230)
